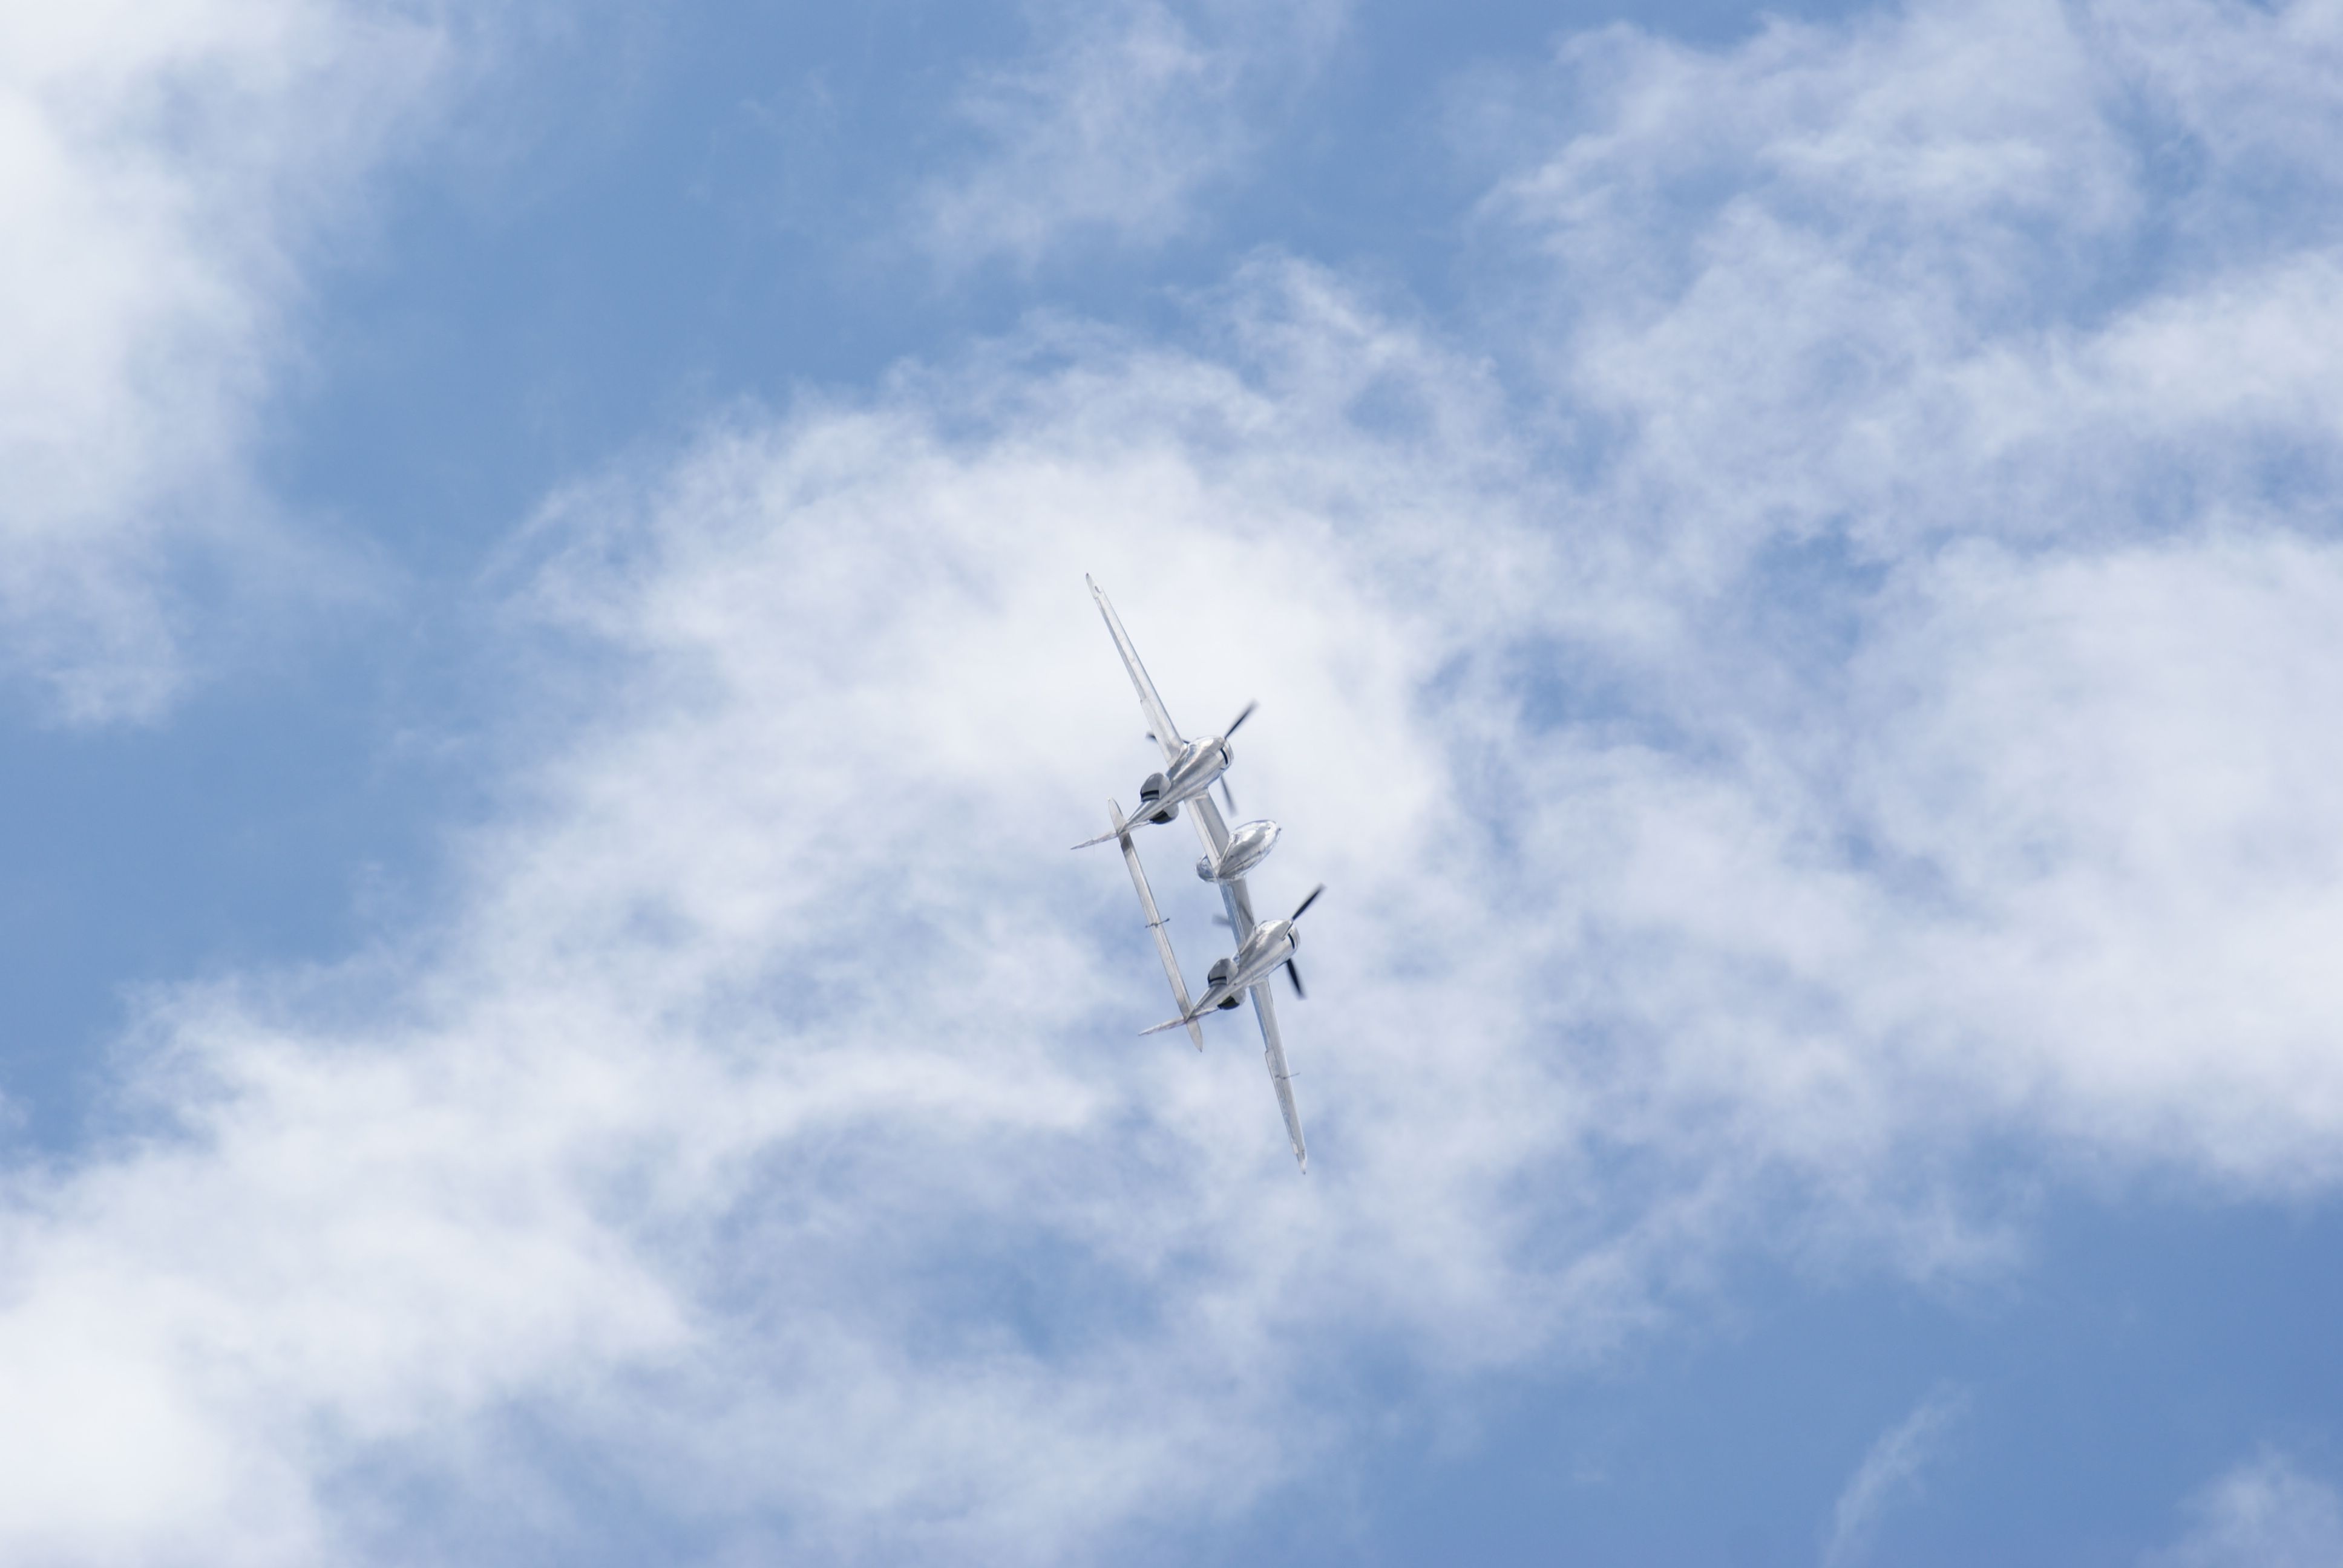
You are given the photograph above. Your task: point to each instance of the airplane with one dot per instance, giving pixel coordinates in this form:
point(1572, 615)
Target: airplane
point(1227, 857)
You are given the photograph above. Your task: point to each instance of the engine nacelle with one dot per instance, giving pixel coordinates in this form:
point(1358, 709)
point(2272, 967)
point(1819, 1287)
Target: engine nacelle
point(1220, 971)
point(1151, 792)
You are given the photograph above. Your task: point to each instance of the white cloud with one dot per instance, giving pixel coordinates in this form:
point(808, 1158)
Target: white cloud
point(1118, 127)
point(163, 169)
point(1956, 535)
point(2265, 1513)
point(2115, 772)
point(1889, 1475)
point(1889, 731)
point(771, 1134)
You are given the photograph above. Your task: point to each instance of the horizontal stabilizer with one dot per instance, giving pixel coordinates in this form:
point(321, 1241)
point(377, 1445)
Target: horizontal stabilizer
point(1122, 833)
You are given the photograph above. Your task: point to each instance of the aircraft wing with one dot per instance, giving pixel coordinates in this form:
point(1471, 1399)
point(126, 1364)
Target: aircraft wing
point(1273, 1051)
point(1158, 719)
point(1155, 923)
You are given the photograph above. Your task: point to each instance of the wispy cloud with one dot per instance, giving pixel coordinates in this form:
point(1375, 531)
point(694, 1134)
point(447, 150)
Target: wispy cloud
point(2265, 1513)
point(1126, 117)
point(1889, 1476)
point(164, 175)
point(1837, 719)
point(1925, 486)
point(650, 1152)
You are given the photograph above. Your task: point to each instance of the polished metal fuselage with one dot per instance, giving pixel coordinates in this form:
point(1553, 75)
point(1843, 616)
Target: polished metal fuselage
point(1248, 846)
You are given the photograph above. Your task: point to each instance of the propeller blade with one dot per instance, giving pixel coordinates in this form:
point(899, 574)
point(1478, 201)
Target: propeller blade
point(1227, 796)
point(1222, 920)
point(1294, 975)
point(1308, 901)
point(1239, 719)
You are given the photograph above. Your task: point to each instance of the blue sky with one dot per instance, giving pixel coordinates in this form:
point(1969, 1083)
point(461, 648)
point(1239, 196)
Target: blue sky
point(1790, 567)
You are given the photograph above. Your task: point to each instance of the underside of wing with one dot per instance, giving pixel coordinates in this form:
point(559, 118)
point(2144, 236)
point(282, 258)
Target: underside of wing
point(1274, 1050)
point(1155, 923)
point(1158, 720)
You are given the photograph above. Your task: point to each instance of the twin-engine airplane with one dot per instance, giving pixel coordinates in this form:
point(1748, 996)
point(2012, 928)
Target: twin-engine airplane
point(1190, 768)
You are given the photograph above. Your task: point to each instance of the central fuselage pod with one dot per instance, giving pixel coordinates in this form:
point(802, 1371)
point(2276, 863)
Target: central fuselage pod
point(1248, 846)
point(1191, 774)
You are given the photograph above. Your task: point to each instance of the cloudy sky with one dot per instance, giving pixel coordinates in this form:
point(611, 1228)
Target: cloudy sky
point(1790, 563)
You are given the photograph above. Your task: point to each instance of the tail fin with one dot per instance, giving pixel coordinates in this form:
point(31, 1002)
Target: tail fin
point(1154, 924)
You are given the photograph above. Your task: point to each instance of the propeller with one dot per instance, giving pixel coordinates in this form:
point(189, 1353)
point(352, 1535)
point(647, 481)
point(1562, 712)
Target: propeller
point(1294, 975)
point(1308, 901)
point(1227, 794)
point(1238, 719)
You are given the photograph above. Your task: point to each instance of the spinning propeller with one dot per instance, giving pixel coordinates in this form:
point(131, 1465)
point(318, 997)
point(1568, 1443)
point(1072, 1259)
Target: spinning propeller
point(1293, 973)
point(1225, 793)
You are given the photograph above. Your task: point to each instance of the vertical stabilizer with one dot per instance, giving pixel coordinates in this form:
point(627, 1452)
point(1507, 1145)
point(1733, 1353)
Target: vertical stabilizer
point(1155, 921)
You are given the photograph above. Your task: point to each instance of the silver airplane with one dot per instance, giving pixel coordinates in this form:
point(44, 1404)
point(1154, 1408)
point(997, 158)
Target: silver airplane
point(1227, 857)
